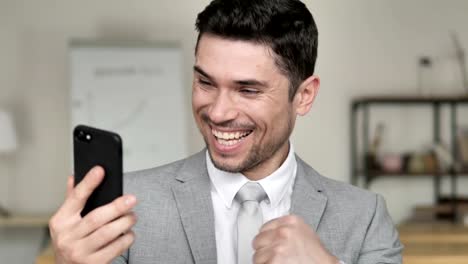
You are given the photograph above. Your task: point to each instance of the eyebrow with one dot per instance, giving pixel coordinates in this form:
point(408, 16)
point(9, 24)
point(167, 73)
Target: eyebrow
point(247, 82)
point(251, 82)
point(201, 72)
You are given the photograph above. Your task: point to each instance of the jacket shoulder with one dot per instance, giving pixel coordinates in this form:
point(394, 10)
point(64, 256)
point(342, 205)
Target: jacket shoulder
point(163, 175)
point(340, 193)
point(345, 191)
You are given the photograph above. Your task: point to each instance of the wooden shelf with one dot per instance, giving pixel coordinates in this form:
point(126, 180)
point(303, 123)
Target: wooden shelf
point(403, 174)
point(377, 173)
point(25, 221)
point(360, 116)
point(411, 99)
point(445, 207)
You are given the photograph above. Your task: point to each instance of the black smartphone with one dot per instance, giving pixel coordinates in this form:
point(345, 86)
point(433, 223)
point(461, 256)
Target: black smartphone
point(92, 147)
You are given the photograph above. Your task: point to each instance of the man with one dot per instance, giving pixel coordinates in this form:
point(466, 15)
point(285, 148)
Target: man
point(247, 198)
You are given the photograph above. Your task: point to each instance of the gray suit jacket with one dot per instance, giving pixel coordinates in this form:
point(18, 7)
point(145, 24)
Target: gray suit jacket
point(176, 218)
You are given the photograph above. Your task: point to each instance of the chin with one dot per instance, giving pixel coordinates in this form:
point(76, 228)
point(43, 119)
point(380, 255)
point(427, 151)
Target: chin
point(225, 163)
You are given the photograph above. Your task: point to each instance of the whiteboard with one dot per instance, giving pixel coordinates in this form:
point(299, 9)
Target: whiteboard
point(136, 91)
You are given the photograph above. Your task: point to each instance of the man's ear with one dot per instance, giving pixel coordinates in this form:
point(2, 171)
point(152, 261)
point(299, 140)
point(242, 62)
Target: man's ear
point(306, 94)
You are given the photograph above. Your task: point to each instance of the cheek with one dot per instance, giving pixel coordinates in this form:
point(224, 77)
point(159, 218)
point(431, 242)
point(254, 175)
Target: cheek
point(199, 99)
point(197, 105)
point(270, 115)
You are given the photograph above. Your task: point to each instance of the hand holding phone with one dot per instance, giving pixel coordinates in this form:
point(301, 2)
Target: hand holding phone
point(100, 235)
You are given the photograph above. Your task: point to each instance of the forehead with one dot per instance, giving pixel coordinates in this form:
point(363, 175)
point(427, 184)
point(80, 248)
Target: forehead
point(228, 58)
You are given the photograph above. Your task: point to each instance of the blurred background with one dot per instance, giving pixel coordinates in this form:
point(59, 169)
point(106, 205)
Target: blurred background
point(399, 63)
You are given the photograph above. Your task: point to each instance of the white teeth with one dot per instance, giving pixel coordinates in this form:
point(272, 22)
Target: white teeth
point(228, 136)
point(229, 139)
point(228, 142)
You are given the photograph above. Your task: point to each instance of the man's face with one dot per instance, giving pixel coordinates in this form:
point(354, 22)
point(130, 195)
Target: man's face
point(240, 103)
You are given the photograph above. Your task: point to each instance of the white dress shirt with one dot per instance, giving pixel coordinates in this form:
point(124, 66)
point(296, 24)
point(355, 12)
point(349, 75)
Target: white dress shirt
point(224, 186)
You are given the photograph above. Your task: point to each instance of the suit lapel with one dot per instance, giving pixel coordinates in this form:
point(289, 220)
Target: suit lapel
point(193, 198)
point(308, 200)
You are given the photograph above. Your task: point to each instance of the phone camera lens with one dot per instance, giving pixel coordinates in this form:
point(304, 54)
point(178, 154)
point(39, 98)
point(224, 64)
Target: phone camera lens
point(80, 135)
point(83, 136)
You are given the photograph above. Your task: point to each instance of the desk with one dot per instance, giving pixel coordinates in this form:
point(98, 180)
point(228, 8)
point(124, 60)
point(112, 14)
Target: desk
point(29, 221)
point(46, 257)
point(434, 243)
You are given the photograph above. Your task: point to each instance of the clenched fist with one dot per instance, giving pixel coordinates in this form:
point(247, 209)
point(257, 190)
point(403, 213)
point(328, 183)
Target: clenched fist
point(289, 239)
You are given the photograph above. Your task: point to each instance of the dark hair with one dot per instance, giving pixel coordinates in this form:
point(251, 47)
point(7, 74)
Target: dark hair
point(286, 26)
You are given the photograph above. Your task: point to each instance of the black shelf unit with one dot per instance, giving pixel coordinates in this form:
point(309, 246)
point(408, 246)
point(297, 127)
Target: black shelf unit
point(363, 105)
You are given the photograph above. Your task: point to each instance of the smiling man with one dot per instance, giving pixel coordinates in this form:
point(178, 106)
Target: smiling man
point(247, 197)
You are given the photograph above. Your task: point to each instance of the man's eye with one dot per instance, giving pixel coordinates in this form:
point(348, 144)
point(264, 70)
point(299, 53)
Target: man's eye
point(203, 82)
point(249, 91)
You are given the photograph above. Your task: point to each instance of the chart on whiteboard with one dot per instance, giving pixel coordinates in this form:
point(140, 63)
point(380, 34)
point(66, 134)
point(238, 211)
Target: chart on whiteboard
point(135, 91)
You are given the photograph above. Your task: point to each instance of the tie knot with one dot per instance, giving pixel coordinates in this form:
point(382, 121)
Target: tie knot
point(251, 191)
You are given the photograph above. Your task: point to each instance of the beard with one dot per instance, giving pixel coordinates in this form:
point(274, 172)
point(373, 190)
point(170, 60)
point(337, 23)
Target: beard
point(256, 156)
point(258, 153)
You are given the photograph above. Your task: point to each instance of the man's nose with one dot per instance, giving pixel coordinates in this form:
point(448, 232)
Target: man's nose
point(223, 108)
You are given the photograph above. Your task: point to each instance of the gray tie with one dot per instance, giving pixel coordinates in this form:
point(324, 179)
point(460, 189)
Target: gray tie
point(249, 219)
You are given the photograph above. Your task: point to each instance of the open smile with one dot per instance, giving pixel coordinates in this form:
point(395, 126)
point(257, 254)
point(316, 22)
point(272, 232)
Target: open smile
point(230, 138)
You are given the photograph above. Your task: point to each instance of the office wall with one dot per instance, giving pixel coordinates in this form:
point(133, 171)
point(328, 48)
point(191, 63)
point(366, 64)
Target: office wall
point(366, 47)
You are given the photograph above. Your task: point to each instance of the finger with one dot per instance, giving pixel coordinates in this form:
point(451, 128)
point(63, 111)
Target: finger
point(264, 239)
point(260, 256)
point(287, 220)
point(272, 224)
point(110, 232)
point(266, 254)
point(70, 185)
point(80, 194)
point(105, 214)
point(114, 249)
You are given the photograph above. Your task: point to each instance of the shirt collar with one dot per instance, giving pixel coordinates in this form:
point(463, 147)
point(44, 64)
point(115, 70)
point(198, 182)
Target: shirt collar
point(276, 185)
